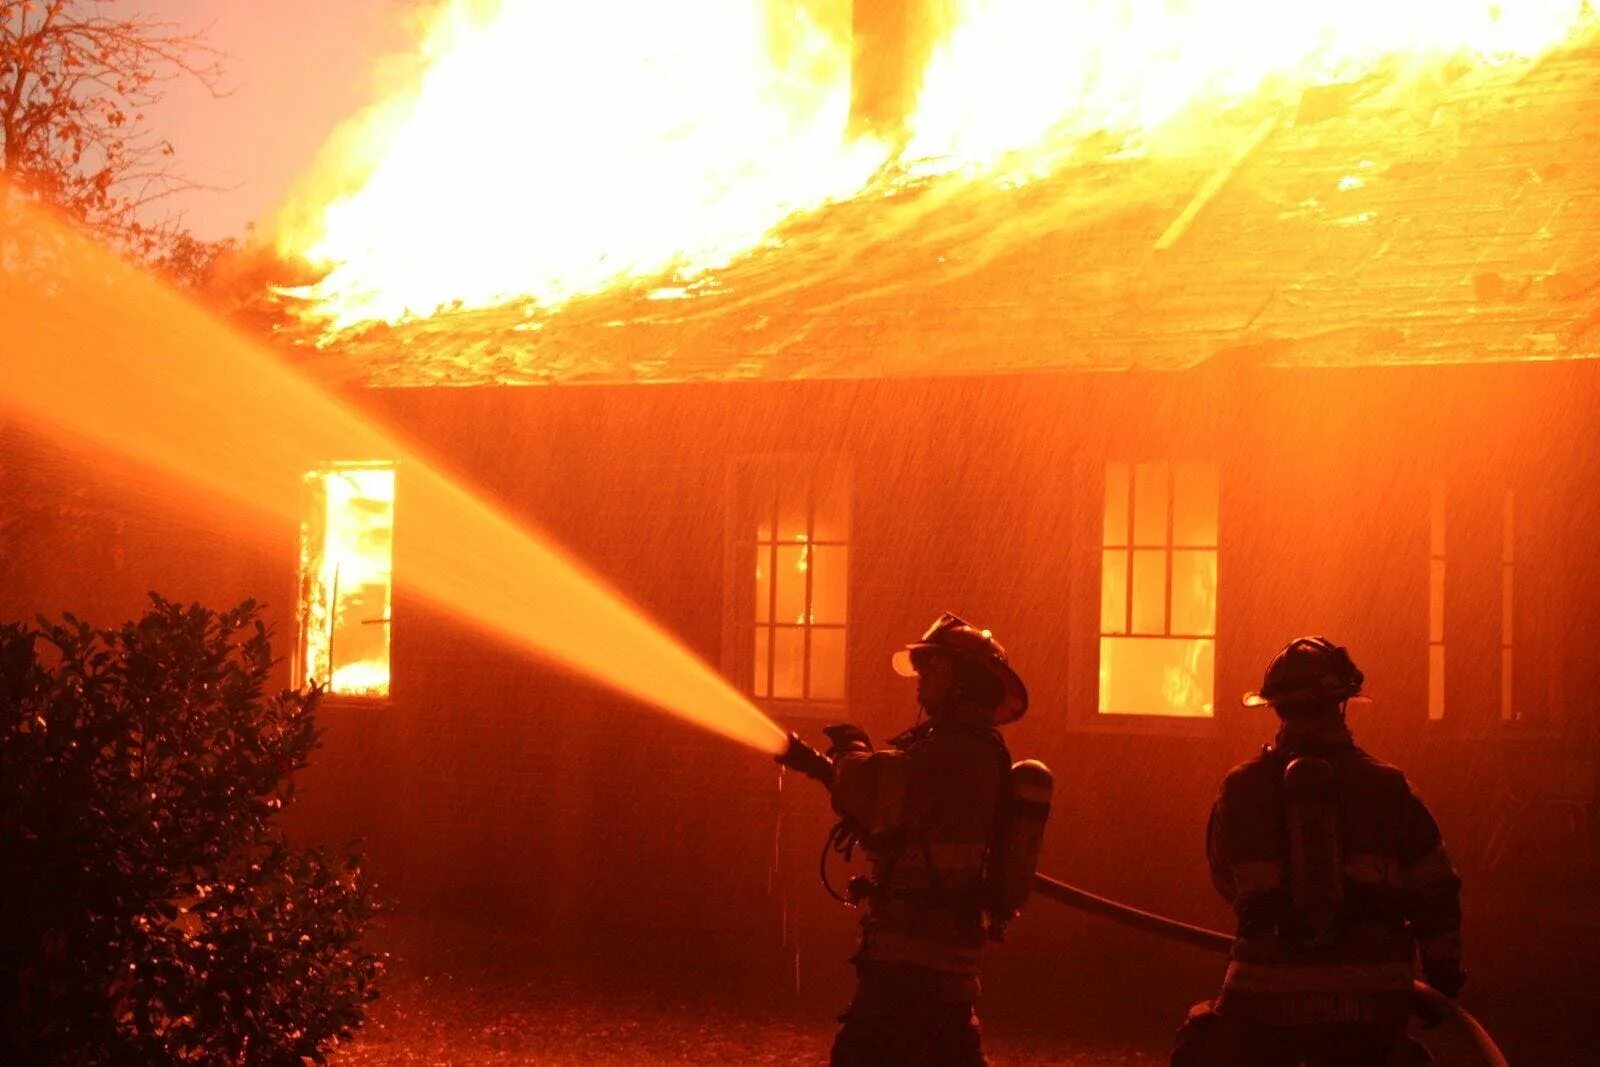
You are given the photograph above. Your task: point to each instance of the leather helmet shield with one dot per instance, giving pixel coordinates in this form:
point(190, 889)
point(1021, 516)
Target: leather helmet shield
point(1307, 669)
point(953, 635)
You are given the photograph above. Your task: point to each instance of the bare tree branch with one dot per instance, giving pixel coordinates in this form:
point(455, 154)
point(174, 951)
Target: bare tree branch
point(77, 78)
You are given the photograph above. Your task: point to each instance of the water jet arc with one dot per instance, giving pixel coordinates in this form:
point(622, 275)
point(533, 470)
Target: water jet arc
point(99, 354)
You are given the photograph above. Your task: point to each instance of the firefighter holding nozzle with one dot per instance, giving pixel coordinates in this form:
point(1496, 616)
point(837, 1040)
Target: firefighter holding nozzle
point(1339, 882)
point(951, 831)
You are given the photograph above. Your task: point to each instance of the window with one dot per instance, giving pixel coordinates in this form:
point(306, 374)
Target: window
point(346, 560)
point(1158, 590)
point(1436, 579)
point(796, 542)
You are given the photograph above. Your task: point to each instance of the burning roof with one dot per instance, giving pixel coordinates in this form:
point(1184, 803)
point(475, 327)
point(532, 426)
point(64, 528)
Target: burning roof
point(1437, 215)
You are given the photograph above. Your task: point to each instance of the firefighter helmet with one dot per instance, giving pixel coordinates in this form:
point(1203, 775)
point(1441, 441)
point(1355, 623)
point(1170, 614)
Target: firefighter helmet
point(954, 636)
point(1307, 669)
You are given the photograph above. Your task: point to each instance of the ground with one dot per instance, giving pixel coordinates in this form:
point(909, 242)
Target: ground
point(453, 999)
point(447, 1020)
point(470, 992)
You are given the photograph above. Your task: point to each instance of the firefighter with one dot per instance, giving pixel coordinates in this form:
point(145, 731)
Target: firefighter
point(1339, 881)
point(924, 809)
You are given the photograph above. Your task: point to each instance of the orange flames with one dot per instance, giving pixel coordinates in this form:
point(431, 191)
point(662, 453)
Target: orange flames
point(546, 150)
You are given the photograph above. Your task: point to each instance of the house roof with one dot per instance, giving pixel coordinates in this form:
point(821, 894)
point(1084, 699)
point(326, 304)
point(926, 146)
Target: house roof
point(1388, 221)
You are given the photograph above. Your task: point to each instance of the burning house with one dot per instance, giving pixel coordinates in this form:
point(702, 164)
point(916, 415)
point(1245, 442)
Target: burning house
point(1146, 386)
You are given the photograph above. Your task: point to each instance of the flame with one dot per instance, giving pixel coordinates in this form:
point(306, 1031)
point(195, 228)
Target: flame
point(551, 149)
point(546, 150)
point(1014, 74)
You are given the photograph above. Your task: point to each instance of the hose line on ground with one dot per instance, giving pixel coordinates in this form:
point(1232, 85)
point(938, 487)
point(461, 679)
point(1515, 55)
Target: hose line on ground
point(1216, 941)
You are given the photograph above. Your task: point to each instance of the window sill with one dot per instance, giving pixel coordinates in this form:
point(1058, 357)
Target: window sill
point(1499, 730)
point(350, 701)
point(1151, 725)
point(785, 712)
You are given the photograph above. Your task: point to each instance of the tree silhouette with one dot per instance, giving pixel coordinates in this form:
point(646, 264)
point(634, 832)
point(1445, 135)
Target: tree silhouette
point(77, 78)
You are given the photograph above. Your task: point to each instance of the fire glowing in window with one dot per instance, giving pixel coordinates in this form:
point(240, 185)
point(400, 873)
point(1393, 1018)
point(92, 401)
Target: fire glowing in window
point(346, 565)
point(801, 582)
point(1158, 590)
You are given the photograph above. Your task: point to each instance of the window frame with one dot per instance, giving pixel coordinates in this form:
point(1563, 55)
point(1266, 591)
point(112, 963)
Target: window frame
point(742, 617)
point(298, 664)
point(1087, 553)
point(1527, 516)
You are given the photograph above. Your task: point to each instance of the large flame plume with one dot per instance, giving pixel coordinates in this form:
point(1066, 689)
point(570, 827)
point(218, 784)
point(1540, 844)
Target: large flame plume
point(549, 149)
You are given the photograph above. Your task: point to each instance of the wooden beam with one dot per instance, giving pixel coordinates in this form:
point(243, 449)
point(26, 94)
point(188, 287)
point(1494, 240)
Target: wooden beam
point(1215, 183)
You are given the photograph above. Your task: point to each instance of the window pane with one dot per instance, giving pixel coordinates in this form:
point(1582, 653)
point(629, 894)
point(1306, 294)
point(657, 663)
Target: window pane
point(1435, 682)
point(830, 576)
point(763, 563)
point(1157, 676)
point(1435, 600)
point(1116, 517)
point(1194, 505)
point(827, 664)
point(832, 520)
point(789, 662)
point(794, 502)
point(1150, 504)
point(761, 675)
point(793, 561)
point(1194, 592)
point(1149, 591)
point(360, 652)
point(1114, 591)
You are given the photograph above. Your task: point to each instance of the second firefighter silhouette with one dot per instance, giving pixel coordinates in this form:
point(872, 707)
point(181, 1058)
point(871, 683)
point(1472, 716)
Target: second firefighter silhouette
point(951, 831)
point(1338, 879)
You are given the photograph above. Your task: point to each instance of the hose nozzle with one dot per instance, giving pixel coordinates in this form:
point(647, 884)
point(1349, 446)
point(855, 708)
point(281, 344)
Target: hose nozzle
point(801, 757)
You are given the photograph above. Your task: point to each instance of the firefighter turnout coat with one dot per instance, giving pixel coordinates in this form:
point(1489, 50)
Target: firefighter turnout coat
point(1399, 892)
point(927, 817)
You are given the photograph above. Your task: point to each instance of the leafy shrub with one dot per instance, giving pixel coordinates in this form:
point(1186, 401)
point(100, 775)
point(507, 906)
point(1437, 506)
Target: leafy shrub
point(149, 911)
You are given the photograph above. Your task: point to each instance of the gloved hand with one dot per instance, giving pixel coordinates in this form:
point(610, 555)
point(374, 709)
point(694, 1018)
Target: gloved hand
point(846, 739)
point(799, 756)
point(1445, 975)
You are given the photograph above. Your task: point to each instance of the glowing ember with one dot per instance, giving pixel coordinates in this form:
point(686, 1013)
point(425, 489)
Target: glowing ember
point(552, 149)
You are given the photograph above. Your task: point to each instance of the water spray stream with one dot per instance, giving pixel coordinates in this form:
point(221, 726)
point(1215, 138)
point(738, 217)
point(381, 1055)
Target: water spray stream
point(96, 353)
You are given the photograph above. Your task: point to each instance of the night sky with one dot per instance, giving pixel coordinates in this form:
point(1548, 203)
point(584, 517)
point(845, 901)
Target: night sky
point(294, 70)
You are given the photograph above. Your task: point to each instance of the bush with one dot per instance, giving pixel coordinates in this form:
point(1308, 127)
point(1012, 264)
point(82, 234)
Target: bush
point(149, 912)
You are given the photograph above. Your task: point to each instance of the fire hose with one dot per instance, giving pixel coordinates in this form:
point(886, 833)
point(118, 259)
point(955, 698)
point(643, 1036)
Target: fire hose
point(1432, 1004)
